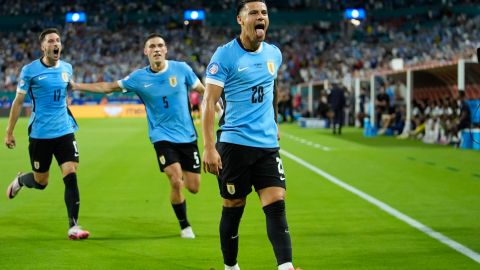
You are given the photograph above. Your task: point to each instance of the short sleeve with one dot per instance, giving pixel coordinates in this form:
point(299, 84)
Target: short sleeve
point(218, 68)
point(24, 81)
point(128, 83)
point(190, 76)
point(279, 61)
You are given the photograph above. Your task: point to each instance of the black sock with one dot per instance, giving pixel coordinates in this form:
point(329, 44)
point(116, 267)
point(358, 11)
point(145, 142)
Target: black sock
point(181, 213)
point(72, 198)
point(277, 229)
point(29, 181)
point(229, 233)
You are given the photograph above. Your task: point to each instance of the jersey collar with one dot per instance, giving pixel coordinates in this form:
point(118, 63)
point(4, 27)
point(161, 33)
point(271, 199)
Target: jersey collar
point(161, 71)
point(56, 65)
point(249, 51)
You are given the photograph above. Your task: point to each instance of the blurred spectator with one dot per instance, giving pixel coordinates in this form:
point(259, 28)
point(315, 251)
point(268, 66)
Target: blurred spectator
point(337, 102)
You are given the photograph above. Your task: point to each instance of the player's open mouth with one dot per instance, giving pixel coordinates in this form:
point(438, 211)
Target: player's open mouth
point(260, 30)
point(56, 52)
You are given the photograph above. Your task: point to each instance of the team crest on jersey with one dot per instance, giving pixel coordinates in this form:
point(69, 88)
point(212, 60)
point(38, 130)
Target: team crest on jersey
point(162, 159)
point(65, 76)
point(22, 83)
point(231, 189)
point(36, 165)
point(271, 67)
point(173, 81)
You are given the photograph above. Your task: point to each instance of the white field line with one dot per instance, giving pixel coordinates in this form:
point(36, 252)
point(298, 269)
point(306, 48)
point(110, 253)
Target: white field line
point(390, 210)
point(309, 143)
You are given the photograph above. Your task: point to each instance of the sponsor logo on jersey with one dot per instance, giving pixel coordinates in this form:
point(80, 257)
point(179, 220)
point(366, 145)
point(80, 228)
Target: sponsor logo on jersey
point(173, 81)
point(231, 189)
point(271, 67)
point(162, 159)
point(213, 68)
point(36, 165)
point(65, 76)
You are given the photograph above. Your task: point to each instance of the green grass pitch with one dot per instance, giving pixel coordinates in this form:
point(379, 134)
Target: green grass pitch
point(125, 205)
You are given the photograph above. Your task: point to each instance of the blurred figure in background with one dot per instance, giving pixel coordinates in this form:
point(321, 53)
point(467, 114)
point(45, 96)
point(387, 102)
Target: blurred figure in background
point(337, 102)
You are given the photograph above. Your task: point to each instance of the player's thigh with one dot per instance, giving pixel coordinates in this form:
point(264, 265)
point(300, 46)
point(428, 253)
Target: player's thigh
point(66, 153)
point(234, 178)
point(189, 157)
point(41, 154)
point(268, 171)
point(166, 154)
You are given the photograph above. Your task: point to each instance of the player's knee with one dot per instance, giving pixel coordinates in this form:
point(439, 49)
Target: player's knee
point(176, 183)
point(234, 202)
point(68, 168)
point(42, 180)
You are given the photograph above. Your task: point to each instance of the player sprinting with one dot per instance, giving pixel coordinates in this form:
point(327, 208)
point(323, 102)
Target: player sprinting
point(163, 88)
point(51, 127)
point(247, 151)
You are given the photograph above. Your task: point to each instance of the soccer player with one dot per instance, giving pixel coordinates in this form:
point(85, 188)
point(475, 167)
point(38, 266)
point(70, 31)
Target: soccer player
point(246, 154)
point(51, 127)
point(163, 88)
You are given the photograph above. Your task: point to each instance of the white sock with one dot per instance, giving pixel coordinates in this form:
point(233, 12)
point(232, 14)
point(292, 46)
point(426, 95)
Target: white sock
point(235, 267)
point(286, 266)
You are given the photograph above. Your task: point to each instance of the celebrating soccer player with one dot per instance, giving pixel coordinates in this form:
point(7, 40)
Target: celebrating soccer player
point(163, 87)
point(51, 127)
point(246, 154)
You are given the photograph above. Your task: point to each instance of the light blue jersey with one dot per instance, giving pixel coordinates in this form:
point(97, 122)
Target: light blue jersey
point(47, 87)
point(165, 95)
point(248, 82)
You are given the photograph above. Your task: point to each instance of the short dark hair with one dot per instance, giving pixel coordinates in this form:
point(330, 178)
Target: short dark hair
point(241, 4)
point(150, 36)
point(47, 31)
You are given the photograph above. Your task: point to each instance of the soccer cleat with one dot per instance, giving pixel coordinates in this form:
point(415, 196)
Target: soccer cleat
point(235, 267)
point(287, 266)
point(187, 233)
point(76, 233)
point(14, 187)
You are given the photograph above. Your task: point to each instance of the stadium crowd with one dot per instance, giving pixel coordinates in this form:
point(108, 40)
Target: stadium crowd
point(105, 50)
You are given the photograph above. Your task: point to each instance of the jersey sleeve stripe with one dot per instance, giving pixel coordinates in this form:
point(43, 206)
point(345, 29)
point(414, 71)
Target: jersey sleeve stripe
point(120, 83)
point(21, 91)
point(215, 82)
point(196, 83)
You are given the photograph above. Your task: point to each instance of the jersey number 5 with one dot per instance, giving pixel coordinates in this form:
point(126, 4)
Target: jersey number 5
point(257, 94)
point(165, 102)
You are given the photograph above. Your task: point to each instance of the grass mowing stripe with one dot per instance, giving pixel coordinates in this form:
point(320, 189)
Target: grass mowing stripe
point(390, 210)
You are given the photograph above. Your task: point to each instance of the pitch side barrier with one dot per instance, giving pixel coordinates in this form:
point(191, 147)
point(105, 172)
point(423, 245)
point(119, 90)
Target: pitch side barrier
point(431, 82)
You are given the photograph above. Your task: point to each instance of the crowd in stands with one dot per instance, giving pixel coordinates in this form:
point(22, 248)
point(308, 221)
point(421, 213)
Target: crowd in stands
point(102, 51)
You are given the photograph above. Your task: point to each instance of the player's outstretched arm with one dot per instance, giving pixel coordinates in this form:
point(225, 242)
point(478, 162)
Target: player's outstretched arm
point(12, 119)
point(100, 87)
point(211, 159)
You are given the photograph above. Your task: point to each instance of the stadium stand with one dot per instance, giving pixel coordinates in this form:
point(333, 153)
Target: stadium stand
point(317, 46)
